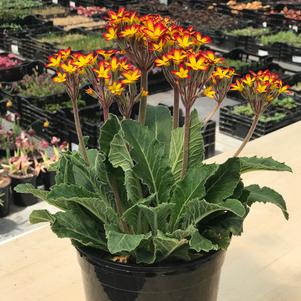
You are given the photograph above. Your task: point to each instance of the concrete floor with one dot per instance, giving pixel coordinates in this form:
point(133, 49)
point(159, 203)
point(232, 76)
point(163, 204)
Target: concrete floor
point(17, 222)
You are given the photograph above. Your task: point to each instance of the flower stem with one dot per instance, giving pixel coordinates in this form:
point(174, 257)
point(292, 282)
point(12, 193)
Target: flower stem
point(105, 111)
point(249, 135)
point(211, 114)
point(118, 205)
point(186, 142)
point(82, 148)
point(143, 102)
point(176, 105)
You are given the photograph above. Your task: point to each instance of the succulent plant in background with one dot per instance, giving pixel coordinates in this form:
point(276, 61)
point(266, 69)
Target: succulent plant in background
point(9, 61)
point(37, 85)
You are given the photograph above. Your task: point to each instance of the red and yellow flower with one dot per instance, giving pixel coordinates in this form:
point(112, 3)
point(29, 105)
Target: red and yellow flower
point(54, 60)
point(103, 70)
point(116, 88)
point(182, 73)
point(131, 76)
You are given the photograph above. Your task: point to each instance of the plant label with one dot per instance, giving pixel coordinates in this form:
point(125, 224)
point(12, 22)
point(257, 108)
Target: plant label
point(14, 49)
point(164, 2)
point(264, 24)
point(262, 52)
point(295, 28)
point(72, 4)
point(74, 147)
point(296, 59)
point(55, 1)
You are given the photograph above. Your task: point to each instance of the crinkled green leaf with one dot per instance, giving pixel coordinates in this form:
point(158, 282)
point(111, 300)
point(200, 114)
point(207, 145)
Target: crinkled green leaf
point(120, 242)
point(266, 195)
point(158, 119)
point(198, 209)
point(78, 225)
point(133, 216)
point(255, 163)
point(200, 243)
point(224, 182)
point(151, 163)
point(196, 146)
point(157, 217)
point(28, 188)
point(166, 246)
point(41, 216)
point(191, 187)
point(109, 129)
point(119, 156)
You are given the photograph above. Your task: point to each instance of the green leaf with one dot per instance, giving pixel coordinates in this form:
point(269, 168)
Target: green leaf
point(197, 242)
point(191, 187)
point(41, 216)
point(158, 119)
point(232, 223)
point(255, 163)
point(165, 246)
point(198, 209)
point(157, 217)
point(64, 172)
point(266, 195)
point(196, 146)
point(59, 195)
point(107, 133)
point(78, 225)
point(133, 216)
point(200, 243)
point(119, 156)
point(28, 188)
point(218, 236)
point(224, 182)
point(151, 164)
point(120, 242)
point(98, 207)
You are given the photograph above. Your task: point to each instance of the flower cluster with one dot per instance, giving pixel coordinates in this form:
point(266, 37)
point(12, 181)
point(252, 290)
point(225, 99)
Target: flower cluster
point(137, 35)
point(260, 89)
point(188, 70)
point(220, 83)
point(114, 78)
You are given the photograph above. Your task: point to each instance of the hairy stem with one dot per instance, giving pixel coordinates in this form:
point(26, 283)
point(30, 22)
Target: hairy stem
point(249, 135)
point(80, 137)
point(176, 105)
point(211, 114)
point(118, 205)
point(143, 102)
point(186, 142)
point(105, 111)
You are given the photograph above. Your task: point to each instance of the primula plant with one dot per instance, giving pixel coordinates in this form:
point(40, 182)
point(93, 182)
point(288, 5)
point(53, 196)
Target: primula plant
point(146, 195)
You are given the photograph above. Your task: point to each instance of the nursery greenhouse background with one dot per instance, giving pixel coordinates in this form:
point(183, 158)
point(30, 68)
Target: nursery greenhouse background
point(38, 125)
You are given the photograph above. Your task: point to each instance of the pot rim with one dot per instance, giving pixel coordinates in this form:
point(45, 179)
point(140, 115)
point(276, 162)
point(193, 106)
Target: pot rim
point(96, 257)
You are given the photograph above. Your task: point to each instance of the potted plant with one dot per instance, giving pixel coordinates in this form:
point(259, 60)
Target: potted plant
point(8, 136)
point(21, 168)
point(4, 194)
point(145, 213)
point(50, 157)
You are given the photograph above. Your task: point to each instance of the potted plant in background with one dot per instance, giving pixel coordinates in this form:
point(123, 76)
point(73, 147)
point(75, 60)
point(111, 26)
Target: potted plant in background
point(145, 213)
point(50, 154)
point(21, 168)
point(4, 194)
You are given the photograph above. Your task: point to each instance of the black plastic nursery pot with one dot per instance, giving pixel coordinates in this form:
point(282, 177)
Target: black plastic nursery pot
point(23, 199)
point(48, 179)
point(187, 281)
point(6, 198)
